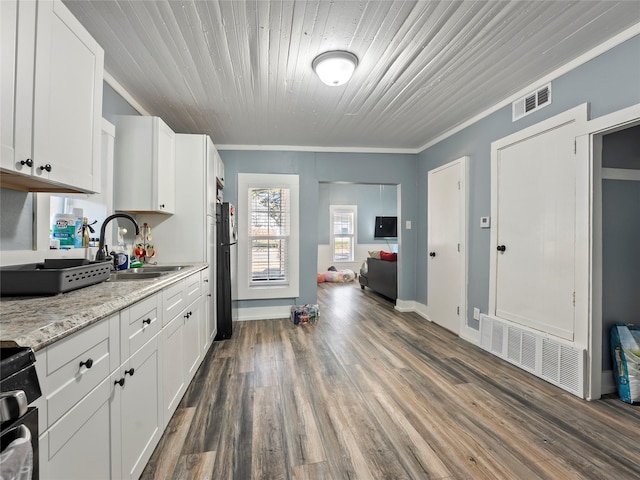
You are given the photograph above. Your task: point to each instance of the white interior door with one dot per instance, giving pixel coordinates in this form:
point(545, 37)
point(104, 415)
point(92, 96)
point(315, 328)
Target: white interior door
point(535, 229)
point(446, 266)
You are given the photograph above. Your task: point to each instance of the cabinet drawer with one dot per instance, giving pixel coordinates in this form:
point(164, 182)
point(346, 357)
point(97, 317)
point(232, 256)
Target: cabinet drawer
point(139, 324)
point(206, 282)
point(193, 287)
point(75, 366)
point(173, 301)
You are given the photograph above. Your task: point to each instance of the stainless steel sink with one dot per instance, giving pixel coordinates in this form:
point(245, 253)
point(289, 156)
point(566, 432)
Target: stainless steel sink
point(131, 275)
point(157, 268)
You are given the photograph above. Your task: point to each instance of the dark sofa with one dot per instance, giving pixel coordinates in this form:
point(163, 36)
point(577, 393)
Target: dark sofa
point(382, 276)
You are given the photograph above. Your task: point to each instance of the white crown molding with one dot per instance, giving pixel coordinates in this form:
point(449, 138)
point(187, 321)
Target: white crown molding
point(567, 67)
point(120, 90)
point(298, 148)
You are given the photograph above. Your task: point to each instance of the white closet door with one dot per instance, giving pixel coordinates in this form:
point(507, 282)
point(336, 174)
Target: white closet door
point(445, 274)
point(536, 215)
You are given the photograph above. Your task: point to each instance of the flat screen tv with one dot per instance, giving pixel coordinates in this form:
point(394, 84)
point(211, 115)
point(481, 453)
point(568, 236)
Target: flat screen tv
point(386, 227)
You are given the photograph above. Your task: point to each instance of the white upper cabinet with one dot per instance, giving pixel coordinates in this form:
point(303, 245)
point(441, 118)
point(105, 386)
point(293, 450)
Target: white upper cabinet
point(52, 73)
point(144, 165)
point(219, 170)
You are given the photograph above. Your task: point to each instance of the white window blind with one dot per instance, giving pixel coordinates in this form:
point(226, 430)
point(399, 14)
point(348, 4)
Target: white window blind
point(268, 236)
point(343, 232)
point(269, 232)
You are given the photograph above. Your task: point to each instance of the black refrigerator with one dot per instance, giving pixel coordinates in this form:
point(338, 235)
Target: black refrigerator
point(226, 262)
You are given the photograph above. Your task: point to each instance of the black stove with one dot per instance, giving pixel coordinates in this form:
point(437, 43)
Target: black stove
point(19, 387)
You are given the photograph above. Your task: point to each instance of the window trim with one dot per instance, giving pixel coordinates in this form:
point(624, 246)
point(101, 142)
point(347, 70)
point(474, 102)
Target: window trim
point(248, 290)
point(343, 208)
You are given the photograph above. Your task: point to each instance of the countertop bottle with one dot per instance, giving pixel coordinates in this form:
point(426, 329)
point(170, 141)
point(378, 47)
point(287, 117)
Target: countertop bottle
point(85, 232)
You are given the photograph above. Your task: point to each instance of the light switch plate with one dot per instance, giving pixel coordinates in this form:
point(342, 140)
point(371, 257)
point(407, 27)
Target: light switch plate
point(485, 222)
point(408, 224)
point(476, 314)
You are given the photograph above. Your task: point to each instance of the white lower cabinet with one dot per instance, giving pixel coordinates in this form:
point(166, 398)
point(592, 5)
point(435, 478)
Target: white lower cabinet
point(173, 371)
point(139, 394)
point(110, 389)
point(78, 445)
point(192, 351)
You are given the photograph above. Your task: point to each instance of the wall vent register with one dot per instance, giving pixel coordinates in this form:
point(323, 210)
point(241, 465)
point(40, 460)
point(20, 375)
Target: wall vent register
point(531, 102)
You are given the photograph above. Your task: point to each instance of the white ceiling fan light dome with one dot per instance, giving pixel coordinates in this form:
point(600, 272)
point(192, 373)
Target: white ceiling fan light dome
point(335, 68)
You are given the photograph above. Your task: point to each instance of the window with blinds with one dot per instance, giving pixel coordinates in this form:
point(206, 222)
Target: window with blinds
point(343, 232)
point(269, 235)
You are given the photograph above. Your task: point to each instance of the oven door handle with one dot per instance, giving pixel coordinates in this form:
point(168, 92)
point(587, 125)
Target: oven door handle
point(20, 432)
point(12, 405)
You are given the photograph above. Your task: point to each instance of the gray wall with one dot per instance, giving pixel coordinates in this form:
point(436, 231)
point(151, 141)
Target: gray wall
point(313, 168)
point(620, 237)
point(113, 104)
point(16, 228)
point(609, 83)
point(372, 201)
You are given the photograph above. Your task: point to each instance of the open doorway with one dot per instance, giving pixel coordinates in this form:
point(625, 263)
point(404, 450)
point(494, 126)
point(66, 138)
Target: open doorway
point(347, 215)
point(610, 145)
point(620, 236)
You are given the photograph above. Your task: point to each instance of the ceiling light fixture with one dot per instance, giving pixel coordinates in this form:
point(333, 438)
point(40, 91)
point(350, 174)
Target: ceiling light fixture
point(335, 68)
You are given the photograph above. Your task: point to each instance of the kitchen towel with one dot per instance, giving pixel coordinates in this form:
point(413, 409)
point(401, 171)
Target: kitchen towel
point(16, 461)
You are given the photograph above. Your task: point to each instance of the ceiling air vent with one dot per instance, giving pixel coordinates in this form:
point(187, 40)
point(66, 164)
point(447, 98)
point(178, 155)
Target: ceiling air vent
point(531, 102)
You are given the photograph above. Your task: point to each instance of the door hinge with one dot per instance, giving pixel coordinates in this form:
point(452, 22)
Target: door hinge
point(574, 299)
point(575, 147)
point(458, 185)
point(458, 310)
point(458, 247)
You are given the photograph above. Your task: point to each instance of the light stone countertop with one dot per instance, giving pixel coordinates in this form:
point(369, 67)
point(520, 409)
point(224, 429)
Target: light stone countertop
point(40, 321)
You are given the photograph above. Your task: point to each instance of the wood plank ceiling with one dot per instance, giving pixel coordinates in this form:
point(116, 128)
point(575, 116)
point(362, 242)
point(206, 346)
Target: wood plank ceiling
point(240, 71)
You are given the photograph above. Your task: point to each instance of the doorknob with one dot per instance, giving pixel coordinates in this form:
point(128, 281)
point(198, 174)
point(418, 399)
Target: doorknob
point(501, 248)
point(432, 254)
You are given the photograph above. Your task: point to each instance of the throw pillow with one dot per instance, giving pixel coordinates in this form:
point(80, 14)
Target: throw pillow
point(374, 254)
point(389, 257)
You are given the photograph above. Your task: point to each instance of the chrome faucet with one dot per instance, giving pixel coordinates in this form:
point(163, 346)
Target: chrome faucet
point(103, 251)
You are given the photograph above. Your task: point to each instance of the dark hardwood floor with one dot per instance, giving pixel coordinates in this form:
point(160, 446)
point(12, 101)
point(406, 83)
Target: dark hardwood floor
point(372, 393)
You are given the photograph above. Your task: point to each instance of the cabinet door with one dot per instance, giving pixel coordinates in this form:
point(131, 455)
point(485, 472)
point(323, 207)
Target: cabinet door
point(67, 100)
point(165, 195)
point(219, 169)
point(210, 169)
point(18, 36)
point(192, 346)
point(140, 409)
point(205, 337)
point(173, 363)
point(79, 445)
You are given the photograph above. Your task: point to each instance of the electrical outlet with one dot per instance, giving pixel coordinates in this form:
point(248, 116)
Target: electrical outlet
point(476, 313)
point(408, 224)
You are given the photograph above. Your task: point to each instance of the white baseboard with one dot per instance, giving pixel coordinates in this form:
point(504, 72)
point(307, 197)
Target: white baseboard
point(264, 313)
point(421, 309)
point(405, 305)
point(608, 383)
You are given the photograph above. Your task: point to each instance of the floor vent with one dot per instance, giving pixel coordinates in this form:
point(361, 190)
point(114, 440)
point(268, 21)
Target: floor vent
point(551, 360)
point(531, 102)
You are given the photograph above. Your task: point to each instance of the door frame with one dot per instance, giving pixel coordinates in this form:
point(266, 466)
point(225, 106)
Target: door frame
point(464, 330)
point(589, 152)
